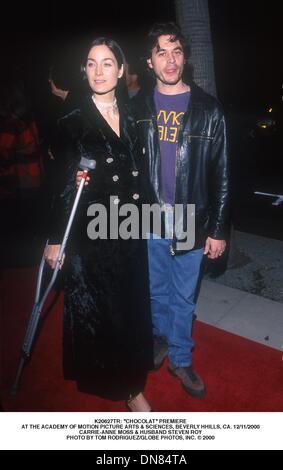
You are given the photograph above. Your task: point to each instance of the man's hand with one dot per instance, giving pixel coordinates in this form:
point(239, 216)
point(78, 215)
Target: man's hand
point(214, 248)
point(79, 177)
point(51, 254)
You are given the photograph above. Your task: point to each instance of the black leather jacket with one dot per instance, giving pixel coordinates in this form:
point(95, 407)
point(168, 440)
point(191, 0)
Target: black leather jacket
point(201, 163)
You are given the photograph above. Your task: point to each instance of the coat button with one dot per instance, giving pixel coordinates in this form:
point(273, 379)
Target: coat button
point(136, 196)
point(135, 173)
point(143, 150)
point(116, 201)
point(115, 178)
point(109, 160)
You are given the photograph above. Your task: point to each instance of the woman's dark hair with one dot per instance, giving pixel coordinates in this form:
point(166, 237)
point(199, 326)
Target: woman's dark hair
point(121, 90)
point(164, 29)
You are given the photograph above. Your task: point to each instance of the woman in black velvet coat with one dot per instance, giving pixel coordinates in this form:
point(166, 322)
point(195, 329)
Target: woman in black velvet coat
point(107, 323)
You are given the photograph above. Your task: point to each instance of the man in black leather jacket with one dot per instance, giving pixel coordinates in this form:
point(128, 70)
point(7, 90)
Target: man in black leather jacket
point(183, 137)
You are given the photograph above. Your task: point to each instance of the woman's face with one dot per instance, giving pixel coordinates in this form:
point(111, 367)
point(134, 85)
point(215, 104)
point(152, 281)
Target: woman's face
point(102, 70)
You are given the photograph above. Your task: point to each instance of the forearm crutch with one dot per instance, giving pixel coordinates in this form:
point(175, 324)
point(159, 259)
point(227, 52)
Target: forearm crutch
point(85, 165)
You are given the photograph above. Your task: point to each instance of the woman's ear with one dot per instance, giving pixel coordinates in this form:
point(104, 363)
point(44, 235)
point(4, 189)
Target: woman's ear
point(83, 72)
point(121, 71)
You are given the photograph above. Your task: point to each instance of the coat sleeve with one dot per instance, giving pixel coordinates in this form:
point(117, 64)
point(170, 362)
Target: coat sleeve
point(64, 184)
point(219, 217)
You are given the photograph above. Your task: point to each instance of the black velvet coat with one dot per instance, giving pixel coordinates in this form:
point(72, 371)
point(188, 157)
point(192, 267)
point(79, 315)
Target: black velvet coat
point(107, 323)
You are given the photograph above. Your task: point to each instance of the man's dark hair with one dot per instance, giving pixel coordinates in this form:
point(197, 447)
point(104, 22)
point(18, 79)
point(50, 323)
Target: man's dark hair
point(164, 29)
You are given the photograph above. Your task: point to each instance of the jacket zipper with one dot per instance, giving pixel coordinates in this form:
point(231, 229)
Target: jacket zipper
point(172, 245)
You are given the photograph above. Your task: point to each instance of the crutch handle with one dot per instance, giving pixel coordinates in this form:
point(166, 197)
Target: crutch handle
point(87, 164)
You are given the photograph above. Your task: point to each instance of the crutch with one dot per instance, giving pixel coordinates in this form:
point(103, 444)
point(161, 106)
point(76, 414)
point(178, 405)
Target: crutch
point(85, 164)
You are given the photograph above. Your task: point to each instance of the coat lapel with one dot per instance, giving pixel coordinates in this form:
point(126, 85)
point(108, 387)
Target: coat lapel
point(95, 121)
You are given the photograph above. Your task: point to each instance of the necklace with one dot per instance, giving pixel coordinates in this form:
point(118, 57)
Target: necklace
point(105, 105)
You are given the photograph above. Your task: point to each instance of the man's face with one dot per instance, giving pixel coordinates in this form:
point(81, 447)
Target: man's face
point(167, 60)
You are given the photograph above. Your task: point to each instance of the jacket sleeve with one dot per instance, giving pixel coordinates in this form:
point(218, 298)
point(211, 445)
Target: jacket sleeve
point(219, 217)
point(64, 184)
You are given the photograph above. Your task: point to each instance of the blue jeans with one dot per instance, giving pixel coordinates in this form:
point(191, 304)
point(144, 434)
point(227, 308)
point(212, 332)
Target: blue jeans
point(173, 285)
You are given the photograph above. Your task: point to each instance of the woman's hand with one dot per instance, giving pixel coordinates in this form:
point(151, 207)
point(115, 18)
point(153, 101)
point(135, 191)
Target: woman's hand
point(58, 91)
point(79, 177)
point(51, 254)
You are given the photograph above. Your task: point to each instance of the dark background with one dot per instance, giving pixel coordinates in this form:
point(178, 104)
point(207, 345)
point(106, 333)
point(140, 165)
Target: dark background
point(246, 37)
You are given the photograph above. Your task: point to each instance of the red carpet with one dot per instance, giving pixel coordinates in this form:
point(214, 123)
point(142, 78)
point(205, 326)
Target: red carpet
point(240, 375)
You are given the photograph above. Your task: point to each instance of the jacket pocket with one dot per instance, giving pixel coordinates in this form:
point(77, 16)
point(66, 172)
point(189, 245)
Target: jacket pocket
point(203, 137)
